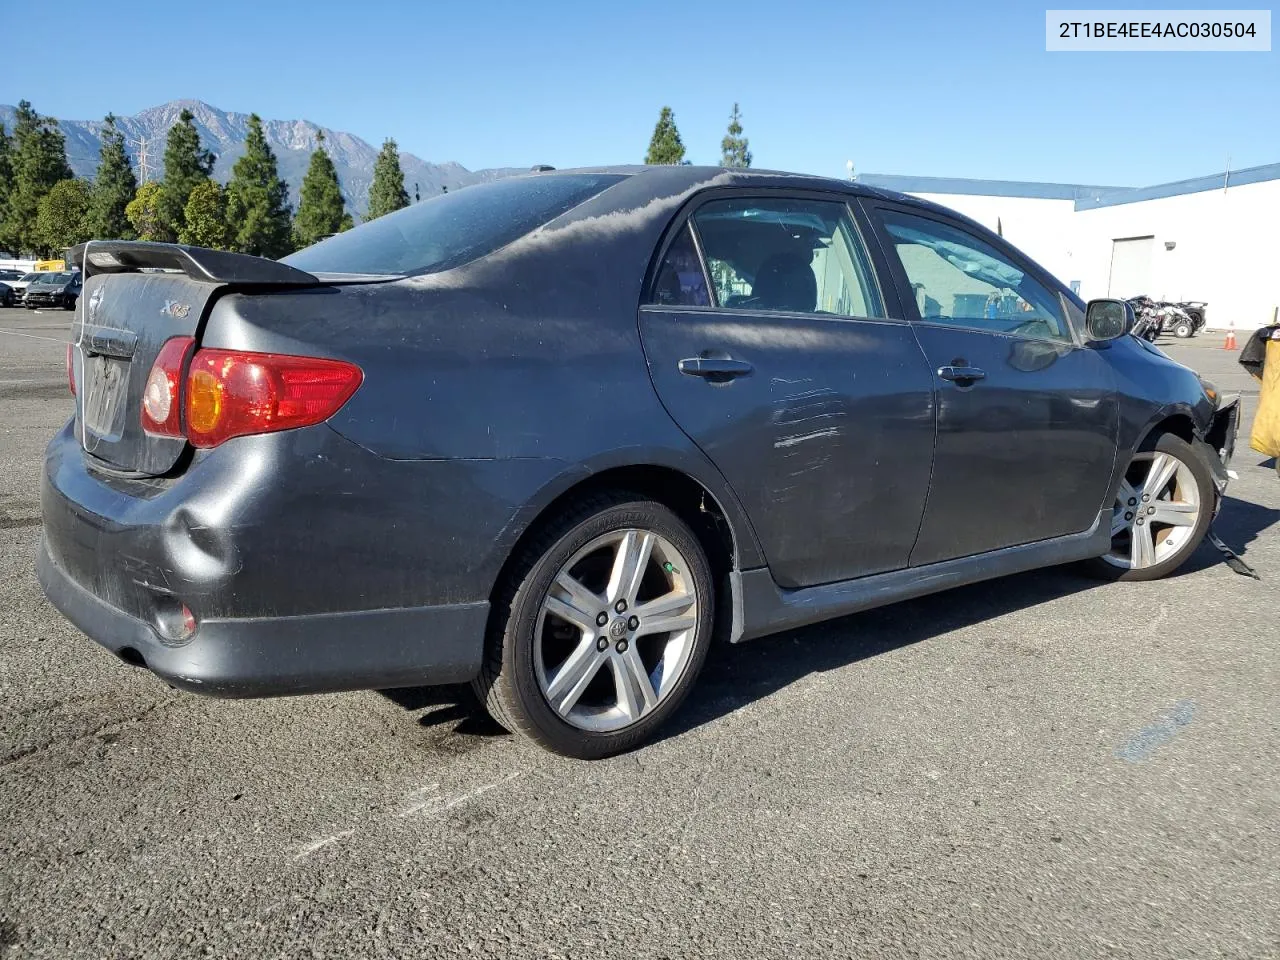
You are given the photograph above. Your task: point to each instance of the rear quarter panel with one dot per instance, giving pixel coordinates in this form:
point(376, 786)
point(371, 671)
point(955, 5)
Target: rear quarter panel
point(526, 365)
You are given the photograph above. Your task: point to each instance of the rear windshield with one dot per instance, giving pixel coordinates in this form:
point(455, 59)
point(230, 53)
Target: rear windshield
point(452, 229)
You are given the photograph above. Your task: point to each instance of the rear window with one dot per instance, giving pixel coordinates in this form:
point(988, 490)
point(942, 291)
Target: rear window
point(452, 229)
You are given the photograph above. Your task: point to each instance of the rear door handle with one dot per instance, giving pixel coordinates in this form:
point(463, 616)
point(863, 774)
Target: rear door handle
point(716, 369)
point(961, 375)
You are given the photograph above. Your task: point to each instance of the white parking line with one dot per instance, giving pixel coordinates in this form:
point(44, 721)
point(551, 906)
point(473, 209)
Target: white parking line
point(31, 336)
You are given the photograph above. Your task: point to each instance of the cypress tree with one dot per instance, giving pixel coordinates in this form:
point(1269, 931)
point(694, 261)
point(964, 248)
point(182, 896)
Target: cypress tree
point(320, 210)
point(143, 212)
point(38, 160)
point(113, 188)
point(186, 163)
point(258, 200)
point(60, 217)
point(733, 148)
point(206, 217)
point(665, 146)
point(387, 192)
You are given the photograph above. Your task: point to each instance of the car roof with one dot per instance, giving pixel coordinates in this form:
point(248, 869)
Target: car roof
point(672, 180)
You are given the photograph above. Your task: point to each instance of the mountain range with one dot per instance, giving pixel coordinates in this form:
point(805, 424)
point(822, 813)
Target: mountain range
point(223, 133)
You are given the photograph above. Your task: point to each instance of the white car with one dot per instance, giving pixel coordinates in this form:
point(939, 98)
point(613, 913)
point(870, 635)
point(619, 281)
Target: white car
point(20, 285)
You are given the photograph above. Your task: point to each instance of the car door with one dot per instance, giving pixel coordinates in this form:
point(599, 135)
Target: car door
point(1027, 412)
point(772, 345)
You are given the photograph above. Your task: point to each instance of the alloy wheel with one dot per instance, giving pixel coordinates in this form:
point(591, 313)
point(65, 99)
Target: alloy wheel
point(615, 630)
point(1155, 513)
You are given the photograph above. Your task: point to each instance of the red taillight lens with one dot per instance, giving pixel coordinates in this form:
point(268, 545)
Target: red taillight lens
point(232, 393)
point(161, 397)
point(71, 367)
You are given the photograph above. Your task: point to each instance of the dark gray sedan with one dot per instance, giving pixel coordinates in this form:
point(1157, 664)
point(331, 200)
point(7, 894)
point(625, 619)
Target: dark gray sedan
point(544, 434)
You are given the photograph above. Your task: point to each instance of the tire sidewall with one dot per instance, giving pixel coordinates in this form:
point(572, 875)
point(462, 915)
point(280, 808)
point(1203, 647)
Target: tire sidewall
point(518, 659)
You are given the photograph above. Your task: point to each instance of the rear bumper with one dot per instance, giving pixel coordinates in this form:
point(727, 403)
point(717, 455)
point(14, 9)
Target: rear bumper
point(277, 656)
point(309, 564)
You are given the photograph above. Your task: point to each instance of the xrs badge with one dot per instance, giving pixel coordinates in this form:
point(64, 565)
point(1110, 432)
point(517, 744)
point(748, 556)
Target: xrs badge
point(172, 308)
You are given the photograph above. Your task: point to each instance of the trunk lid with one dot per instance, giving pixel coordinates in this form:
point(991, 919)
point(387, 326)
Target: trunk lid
point(121, 323)
point(123, 318)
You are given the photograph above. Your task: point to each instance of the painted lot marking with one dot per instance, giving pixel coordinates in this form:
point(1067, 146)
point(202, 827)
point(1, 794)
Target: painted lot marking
point(31, 336)
point(1154, 736)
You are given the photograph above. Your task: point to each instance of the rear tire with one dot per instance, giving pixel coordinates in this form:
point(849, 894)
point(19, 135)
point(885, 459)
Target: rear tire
point(1153, 533)
point(580, 687)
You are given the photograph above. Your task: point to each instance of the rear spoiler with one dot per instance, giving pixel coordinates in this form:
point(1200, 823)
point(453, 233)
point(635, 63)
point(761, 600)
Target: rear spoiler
point(198, 263)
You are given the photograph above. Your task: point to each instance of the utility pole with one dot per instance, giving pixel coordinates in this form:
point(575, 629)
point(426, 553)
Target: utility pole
point(144, 166)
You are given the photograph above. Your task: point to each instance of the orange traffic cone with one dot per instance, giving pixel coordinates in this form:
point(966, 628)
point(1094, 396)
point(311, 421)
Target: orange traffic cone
point(1230, 343)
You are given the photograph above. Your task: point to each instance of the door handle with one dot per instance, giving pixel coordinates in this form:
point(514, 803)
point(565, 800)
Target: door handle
point(962, 375)
point(715, 369)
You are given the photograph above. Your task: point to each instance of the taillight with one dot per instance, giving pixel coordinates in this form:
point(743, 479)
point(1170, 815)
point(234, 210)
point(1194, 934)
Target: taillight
point(71, 367)
point(161, 397)
point(231, 393)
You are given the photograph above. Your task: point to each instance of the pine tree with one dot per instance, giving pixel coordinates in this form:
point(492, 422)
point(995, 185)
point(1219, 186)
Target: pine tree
point(733, 148)
point(387, 192)
point(205, 217)
point(60, 217)
point(186, 163)
point(320, 210)
point(258, 200)
point(143, 212)
point(38, 160)
point(113, 188)
point(665, 146)
point(6, 175)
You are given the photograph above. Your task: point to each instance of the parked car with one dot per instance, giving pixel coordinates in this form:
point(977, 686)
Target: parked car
point(8, 297)
point(60, 289)
point(543, 433)
point(20, 284)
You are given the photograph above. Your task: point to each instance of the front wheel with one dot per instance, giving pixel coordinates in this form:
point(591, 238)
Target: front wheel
point(602, 628)
point(1162, 511)
point(1184, 329)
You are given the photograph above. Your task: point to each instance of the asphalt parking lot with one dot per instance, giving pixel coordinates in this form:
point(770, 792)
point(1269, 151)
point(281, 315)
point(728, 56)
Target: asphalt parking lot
point(1041, 766)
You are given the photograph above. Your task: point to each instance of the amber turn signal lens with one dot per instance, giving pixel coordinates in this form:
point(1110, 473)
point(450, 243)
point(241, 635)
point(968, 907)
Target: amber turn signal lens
point(204, 402)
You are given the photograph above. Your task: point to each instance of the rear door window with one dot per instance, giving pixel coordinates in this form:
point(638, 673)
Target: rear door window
point(452, 229)
point(787, 255)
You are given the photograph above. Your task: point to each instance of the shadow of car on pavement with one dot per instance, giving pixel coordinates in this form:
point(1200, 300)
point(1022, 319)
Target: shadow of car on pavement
point(736, 676)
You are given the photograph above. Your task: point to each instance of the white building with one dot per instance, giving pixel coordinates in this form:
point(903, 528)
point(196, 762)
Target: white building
point(1214, 238)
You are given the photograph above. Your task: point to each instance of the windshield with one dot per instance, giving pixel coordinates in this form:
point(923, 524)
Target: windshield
point(54, 279)
point(453, 229)
point(31, 277)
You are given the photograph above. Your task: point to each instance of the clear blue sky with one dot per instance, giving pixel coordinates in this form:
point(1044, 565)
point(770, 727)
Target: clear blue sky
point(943, 88)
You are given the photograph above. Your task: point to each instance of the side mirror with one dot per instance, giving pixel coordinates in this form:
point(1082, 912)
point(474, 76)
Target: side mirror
point(1108, 319)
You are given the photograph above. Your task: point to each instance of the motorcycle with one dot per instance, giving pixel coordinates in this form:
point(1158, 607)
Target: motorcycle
point(1183, 320)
